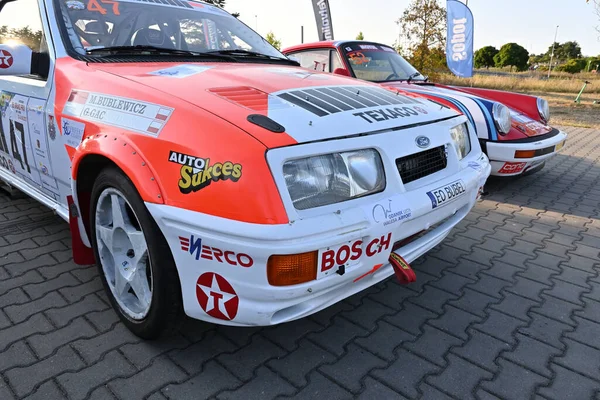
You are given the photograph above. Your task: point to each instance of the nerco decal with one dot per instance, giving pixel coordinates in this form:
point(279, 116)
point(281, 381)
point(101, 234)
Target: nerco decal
point(197, 173)
point(134, 115)
point(217, 297)
point(193, 245)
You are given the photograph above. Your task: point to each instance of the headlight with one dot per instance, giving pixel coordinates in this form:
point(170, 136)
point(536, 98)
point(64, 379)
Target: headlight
point(543, 109)
point(502, 118)
point(460, 136)
point(333, 178)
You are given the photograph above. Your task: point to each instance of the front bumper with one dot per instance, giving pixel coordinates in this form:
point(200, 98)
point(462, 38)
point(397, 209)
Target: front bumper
point(503, 160)
point(204, 245)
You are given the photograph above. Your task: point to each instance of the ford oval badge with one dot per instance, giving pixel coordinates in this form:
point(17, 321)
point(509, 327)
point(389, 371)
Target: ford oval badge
point(423, 142)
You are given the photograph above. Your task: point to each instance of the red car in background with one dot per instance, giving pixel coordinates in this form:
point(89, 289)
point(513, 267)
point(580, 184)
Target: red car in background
point(512, 128)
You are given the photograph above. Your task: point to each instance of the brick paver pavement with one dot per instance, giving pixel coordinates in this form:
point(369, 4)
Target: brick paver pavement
point(507, 307)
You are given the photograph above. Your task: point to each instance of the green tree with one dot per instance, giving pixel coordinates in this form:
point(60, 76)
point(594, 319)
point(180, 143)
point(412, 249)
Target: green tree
point(513, 55)
point(572, 66)
point(484, 57)
point(25, 35)
point(221, 3)
point(360, 36)
point(423, 23)
point(570, 50)
point(273, 40)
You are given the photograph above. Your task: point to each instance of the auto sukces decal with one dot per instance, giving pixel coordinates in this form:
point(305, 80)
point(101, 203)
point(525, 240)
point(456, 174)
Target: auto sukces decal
point(131, 114)
point(197, 173)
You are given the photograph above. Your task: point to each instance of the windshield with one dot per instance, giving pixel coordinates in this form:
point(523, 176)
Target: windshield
point(166, 24)
point(377, 63)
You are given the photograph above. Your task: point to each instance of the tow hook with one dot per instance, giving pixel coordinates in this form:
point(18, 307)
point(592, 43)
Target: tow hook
point(404, 273)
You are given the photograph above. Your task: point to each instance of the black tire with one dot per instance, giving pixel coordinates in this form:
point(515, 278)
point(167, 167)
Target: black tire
point(166, 309)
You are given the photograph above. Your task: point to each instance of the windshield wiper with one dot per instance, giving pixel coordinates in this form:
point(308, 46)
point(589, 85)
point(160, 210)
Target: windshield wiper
point(410, 78)
point(248, 53)
point(156, 50)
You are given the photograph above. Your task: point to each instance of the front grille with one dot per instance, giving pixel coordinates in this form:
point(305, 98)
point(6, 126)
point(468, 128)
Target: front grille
point(420, 165)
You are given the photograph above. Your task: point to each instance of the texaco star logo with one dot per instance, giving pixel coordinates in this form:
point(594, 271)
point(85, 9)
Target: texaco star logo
point(6, 59)
point(216, 296)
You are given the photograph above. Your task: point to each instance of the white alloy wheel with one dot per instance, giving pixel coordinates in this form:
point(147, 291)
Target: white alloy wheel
point(123, 254)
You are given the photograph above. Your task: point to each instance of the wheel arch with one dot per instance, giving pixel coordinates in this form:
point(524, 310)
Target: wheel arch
point(101, 151)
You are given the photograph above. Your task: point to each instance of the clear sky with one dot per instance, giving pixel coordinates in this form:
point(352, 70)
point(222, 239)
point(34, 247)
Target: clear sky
point(531, 23)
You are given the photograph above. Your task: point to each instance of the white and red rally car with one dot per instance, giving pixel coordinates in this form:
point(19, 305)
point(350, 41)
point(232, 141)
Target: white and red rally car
point(512, 128)
point(206, 173)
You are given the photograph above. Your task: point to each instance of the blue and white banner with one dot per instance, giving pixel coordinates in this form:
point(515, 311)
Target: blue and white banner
point(459, 42)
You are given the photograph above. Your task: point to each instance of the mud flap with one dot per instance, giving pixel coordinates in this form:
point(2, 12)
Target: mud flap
point(82, 255)
point(402, 269)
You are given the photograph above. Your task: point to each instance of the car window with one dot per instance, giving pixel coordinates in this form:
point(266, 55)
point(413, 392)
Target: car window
point(377, 63)
point(336, 61)
point(20, 22)
point(314, 59)
point(175, 25)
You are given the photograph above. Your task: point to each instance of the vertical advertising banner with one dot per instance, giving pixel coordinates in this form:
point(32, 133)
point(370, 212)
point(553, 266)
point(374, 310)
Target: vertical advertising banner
point(459, 41)
point(323, 17)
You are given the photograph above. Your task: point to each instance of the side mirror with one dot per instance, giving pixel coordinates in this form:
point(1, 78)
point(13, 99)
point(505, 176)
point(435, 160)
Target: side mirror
point(341, 71)
point(15, 59)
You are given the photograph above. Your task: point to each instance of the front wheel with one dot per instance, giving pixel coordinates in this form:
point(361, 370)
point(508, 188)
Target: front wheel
point(133, 257)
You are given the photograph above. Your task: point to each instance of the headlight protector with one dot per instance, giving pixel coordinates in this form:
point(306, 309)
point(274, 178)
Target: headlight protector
point(502, 118)
point(460, 137)
point(543, 109)
point(333, 178)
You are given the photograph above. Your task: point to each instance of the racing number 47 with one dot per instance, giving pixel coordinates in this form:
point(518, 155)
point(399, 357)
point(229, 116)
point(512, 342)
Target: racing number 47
point(15, 126)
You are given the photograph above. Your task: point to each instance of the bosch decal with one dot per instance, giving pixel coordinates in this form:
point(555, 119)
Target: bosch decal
point(194, 246)
point(512, 168)
point(353, 252)
point(446, 194)
point(197, 173)
point(217, 297)
point(387, 114)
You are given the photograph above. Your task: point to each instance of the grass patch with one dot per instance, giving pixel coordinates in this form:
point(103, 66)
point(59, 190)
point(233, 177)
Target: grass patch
point(527, 82)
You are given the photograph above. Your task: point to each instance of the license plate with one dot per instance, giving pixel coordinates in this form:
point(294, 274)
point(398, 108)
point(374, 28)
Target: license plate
point(446, 194)
point(559, 146)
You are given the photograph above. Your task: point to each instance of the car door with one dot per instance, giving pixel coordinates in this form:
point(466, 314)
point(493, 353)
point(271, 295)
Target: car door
point(26, 127)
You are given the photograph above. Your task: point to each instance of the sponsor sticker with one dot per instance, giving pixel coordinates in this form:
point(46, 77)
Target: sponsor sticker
point(51, 128)
point(6, 59)
point(368, 47)
point(181, 71)
point(512, 168)
point(194, 246)
point(447, 194)
point(217, 297)
point(475, 166)
point(72, 132)
point(134, 115)
point(393, 212)
point(197, 173)
point(386, 114)
point(75, 5)
point(349, 254)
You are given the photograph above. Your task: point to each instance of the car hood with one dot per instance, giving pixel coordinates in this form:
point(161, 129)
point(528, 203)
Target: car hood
point(479, 111)
point(308, 106)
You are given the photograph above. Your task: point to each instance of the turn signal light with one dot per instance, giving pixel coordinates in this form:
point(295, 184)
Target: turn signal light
point(292, 269)
point(524, 153)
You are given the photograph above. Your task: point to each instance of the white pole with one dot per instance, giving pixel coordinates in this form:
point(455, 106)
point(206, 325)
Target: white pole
point(552, 55)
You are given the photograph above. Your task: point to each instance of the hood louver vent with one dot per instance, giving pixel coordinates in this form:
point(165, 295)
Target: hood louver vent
point(244, 96)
